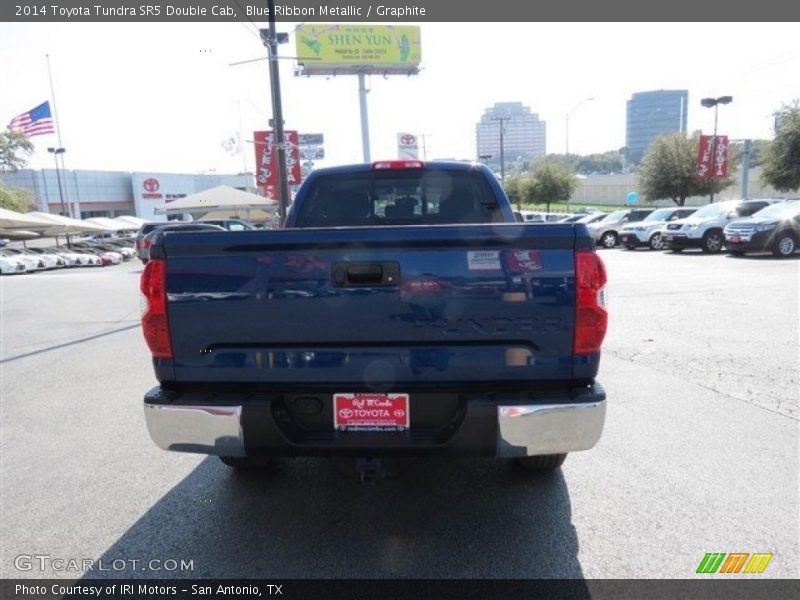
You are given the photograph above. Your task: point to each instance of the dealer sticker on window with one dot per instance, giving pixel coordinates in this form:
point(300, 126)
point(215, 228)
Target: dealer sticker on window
point(484, 260)
point(370, 412)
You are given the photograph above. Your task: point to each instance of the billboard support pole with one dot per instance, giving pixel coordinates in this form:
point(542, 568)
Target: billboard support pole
point(362, 102)
point(271, 41)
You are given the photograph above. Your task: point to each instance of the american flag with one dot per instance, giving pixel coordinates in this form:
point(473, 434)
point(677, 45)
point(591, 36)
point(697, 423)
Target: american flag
point(36, 121)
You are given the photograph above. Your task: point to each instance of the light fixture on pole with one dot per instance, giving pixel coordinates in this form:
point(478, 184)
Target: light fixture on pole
point(55, 152)
point(709, 103)
point(566, 124)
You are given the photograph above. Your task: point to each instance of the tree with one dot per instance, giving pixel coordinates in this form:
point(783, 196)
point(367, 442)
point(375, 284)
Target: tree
point(550, 182)
point(14, 146)
point(782, 159)
point(669, 170)
point(15, 199)
point(513, 187)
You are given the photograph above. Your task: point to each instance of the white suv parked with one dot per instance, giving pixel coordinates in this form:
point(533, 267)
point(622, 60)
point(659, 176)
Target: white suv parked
point(648, 231)
point(606, 231)
point(704, 228)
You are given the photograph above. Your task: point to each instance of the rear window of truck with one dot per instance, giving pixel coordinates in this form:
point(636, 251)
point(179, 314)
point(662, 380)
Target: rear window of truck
point(410, 197)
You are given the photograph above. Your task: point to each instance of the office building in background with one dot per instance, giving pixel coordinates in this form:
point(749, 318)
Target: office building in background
point(524, 135)
point(651, 114)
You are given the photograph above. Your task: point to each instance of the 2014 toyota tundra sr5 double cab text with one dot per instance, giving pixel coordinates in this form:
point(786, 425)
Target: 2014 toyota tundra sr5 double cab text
point(400, 311)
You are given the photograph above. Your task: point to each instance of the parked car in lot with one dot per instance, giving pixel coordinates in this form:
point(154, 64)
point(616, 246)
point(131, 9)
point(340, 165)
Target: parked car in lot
point(51, 260)
point(11, 266)
point(556, 217)
point(32, 262)
point(361, 338)
point(775, 228)
point(704, 228)
point(143, 247)
point(593, 217)
point(529, 216)
point(572, 218)
point(648, 231)
point(229, 224)
point(145, 229)
point(606, 231)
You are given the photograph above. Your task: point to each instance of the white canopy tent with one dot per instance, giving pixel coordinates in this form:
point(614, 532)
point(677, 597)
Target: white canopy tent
point(220, 198)
point(129, 222)
point(60, 225)
point(10, 219)
point(111, 224)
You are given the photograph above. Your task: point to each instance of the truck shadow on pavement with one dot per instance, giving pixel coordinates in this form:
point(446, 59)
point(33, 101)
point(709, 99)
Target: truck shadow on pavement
point(304, 519)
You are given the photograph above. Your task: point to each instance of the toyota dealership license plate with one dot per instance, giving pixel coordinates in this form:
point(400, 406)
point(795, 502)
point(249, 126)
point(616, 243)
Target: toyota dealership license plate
point(370, 412)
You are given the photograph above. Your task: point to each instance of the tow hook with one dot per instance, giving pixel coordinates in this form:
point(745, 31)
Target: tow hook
point(370, 470)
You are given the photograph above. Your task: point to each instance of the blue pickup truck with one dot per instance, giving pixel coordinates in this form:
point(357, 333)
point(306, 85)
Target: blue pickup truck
point(401, 310)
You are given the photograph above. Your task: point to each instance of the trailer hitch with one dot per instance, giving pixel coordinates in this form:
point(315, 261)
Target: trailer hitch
point(370, 470)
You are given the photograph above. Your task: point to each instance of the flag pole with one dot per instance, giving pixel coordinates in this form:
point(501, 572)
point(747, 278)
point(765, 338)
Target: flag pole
point(58, 134)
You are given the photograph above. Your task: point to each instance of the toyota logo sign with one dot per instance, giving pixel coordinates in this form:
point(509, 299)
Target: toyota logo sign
point(150, 184)
point(409, 139)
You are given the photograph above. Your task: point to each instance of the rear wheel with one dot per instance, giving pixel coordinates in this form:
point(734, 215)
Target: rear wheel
point(785, 245)
point(545, 463)
point(712, 242)
point(656, 242)
point(609, 239)
point(246, 463)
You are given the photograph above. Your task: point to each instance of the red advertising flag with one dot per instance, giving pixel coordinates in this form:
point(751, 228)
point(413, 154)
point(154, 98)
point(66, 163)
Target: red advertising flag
point(267, 158)
point(704, 157)
point(712, 157)
point(721, 157)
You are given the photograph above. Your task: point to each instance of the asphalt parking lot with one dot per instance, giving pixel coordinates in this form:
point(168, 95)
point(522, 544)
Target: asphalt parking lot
point(700, 452)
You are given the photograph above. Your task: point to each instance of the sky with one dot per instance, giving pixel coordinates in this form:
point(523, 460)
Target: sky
point(162, 97)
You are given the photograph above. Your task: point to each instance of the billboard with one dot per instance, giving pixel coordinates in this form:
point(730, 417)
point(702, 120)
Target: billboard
point(407, 146)
point(712, 157)
point(327, 49)
point(267, 159)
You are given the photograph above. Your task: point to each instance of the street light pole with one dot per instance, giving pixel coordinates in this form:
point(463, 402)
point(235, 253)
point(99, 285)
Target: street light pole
point(502, 120)
point(708, 103)
point(566, 123)
point(55, 152)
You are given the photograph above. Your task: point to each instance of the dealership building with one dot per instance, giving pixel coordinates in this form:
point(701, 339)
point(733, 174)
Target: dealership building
point(89, 194)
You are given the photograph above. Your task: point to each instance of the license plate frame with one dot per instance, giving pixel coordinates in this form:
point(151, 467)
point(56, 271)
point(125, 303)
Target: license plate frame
point(371, 412)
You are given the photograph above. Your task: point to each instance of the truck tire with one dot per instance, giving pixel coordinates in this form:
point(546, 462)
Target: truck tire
point(785, 245)
point(541, 464)
point(246, 463)
point(712, 241)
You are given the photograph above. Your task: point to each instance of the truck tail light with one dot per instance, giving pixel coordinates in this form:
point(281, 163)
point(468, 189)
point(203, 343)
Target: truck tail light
point(155, 324)
point(398, 164)
point(591, 317)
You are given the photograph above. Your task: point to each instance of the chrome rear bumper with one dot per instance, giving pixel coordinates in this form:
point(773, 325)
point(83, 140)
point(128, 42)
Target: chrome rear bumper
point(523, 429)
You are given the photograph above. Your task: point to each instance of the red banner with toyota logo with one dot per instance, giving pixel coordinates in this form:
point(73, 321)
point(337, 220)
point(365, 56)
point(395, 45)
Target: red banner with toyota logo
point(712, 157)
point(267, 160)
